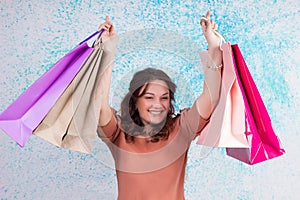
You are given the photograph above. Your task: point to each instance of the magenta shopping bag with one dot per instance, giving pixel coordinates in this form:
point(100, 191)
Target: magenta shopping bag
point(29, 109)
point(264, 144)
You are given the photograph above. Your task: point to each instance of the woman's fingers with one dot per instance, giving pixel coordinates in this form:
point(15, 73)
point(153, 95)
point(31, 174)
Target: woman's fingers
point(102, 26)
point(208, 24)
point(215, 27)
point(108, 27)
point(208, 15)
point(112, 29)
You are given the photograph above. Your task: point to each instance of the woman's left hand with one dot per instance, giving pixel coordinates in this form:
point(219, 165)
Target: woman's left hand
point(209, 27)
point(109, 29)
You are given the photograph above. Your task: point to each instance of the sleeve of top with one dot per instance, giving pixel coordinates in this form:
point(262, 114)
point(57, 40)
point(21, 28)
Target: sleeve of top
point(191, 122)
point(111, 130)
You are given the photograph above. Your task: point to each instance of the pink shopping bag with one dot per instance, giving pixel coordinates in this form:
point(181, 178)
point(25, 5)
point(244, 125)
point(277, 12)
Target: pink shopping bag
point(264, 144)
point(28, 110)
point(227, 122)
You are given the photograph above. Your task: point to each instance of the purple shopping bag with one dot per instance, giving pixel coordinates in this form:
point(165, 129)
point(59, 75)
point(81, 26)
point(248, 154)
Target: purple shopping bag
point(264, 144)
point(29, 109)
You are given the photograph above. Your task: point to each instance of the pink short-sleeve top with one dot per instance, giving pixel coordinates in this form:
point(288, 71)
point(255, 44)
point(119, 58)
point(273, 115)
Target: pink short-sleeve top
point(152, 170)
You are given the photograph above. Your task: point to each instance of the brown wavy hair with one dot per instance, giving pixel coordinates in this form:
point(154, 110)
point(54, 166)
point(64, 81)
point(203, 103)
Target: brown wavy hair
point(131, 123)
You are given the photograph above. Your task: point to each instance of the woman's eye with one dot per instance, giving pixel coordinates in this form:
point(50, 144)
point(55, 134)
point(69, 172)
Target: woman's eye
point(148, 97)
point(165, 98)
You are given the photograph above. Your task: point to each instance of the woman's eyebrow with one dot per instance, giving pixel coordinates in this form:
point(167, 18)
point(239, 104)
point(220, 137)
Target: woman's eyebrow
point(150, 93)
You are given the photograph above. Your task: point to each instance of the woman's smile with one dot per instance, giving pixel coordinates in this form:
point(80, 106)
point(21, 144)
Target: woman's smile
point(157, 116)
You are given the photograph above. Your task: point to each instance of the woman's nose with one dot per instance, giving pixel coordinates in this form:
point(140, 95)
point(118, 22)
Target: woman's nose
point(157, 104)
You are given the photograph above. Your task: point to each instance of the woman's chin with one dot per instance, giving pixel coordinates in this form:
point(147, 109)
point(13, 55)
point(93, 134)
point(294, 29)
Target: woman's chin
point(154, 119)
point(157, 120)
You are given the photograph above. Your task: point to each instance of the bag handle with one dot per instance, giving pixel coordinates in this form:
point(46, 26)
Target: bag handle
point(88, 38)
point(215, 31)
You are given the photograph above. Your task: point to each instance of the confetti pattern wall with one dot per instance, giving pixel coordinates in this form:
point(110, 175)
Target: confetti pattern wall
point(164, 34)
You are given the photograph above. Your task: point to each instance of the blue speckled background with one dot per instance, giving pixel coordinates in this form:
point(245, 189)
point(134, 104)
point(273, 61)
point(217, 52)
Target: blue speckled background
point(36, 34)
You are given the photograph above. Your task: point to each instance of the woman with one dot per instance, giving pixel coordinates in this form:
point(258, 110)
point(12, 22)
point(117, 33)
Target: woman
point(148, 141)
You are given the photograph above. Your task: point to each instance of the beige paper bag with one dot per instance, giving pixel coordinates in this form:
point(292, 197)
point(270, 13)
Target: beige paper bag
point(72, 121)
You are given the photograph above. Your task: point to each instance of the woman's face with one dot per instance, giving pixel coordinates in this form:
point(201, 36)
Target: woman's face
point(153, 105)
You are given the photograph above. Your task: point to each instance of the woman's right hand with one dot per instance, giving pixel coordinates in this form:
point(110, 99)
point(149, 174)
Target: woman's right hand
point(109, 29)
point(209, 27)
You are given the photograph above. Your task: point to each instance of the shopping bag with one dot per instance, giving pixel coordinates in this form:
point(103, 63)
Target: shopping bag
point(72, 121)
point(264, 144)
point(28, 110)
point(227, 123)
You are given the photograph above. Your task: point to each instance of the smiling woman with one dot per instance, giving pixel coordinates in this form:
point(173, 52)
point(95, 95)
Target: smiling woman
point(148, 141)
point(147, 108)
point(164, 35)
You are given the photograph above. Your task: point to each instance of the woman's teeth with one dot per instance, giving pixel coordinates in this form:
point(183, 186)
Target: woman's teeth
point(155, 112)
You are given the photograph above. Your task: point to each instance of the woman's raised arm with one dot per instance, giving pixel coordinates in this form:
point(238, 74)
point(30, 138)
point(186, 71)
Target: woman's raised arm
point(109, 39)
point(212, 69)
